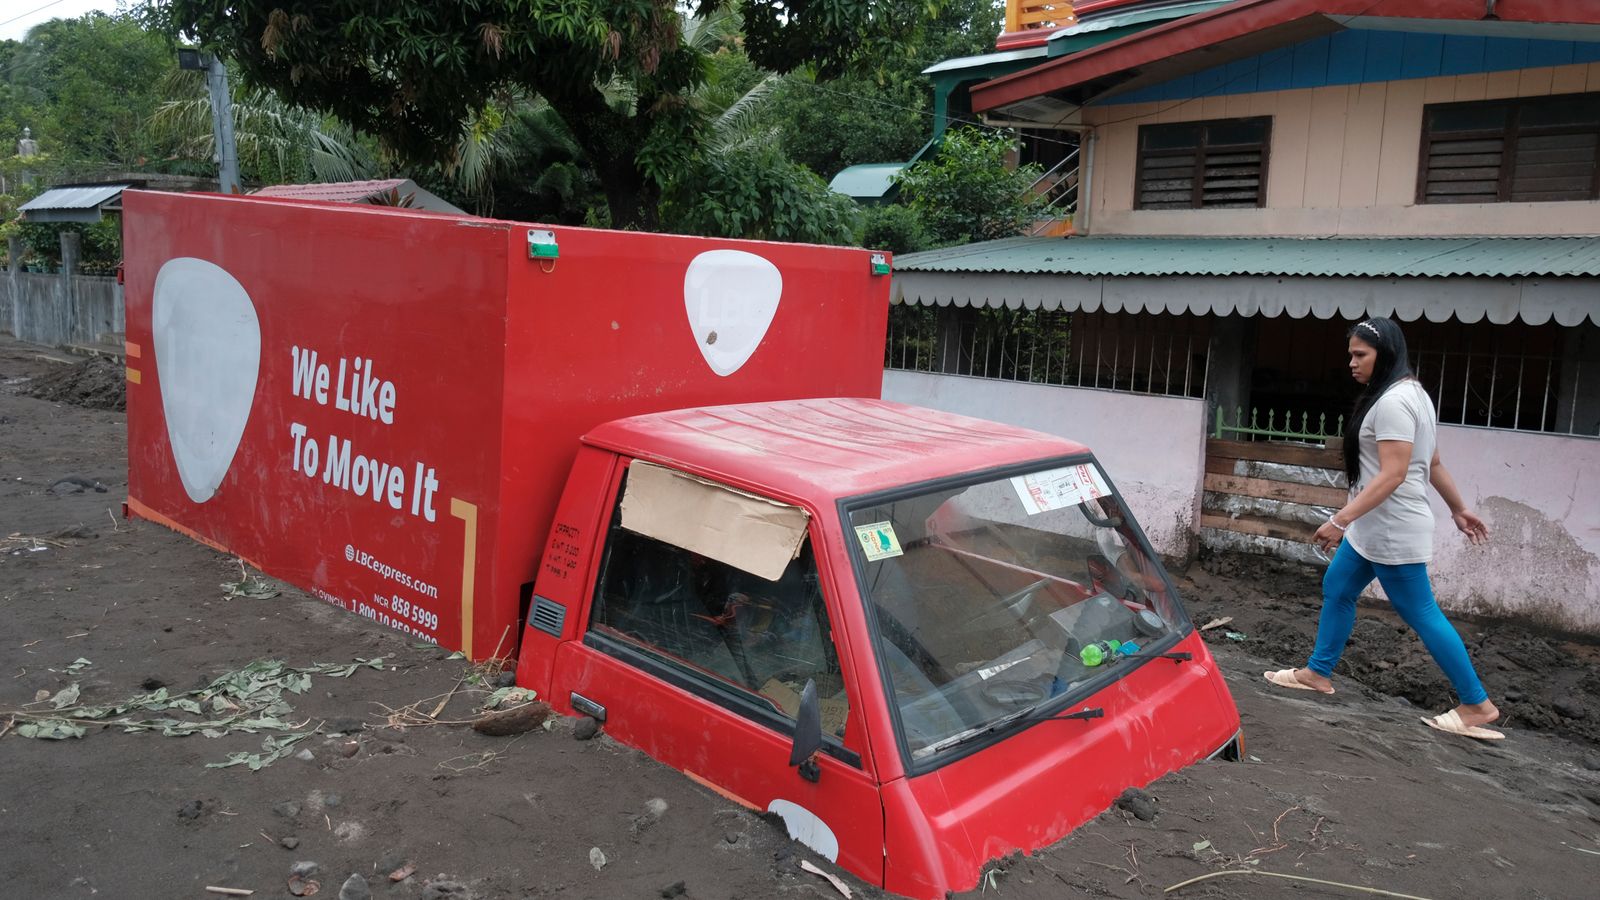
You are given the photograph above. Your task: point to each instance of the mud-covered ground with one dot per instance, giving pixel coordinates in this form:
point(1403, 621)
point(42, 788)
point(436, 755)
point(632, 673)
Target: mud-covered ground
point(1351, 789)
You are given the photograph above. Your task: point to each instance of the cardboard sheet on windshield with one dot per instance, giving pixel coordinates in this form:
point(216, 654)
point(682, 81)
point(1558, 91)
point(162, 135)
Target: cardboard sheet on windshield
point(750, 533)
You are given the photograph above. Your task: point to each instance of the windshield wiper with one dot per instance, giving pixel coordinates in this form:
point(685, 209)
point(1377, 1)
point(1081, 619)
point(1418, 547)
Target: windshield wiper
point(1027, 715)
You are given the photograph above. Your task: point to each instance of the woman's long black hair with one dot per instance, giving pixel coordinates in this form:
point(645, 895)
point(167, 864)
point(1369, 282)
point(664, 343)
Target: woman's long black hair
point(1393, 364)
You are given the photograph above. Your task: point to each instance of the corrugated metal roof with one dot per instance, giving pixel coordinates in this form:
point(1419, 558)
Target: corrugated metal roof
point(74, 197)
point(1489, 257)
point(986, 59)
point(1135, 17)
point(336, 192)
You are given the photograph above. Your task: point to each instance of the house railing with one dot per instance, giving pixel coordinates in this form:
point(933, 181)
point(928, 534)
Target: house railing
point(1059, 186)
point(1028, 15)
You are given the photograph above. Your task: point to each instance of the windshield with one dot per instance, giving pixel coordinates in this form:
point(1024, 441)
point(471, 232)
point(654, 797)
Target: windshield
point(993, 598)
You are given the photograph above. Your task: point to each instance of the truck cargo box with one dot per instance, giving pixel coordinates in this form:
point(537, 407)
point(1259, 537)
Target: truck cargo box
point(381, 405)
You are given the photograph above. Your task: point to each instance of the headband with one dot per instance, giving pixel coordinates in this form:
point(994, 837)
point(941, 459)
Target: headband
point(1370, 327)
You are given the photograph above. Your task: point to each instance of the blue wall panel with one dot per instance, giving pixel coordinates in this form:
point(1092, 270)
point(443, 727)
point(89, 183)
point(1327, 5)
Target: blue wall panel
point(1422, 55)
point(1310, 63)
point(1355, 56)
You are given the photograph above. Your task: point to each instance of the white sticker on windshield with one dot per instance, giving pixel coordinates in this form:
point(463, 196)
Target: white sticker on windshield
point(1059, 488)
point(878, 541)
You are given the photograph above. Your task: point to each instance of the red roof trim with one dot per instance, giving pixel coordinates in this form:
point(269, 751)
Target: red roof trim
point(1245, 17)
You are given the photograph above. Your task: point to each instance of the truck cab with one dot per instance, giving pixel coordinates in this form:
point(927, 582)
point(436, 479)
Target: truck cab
point(922, 640)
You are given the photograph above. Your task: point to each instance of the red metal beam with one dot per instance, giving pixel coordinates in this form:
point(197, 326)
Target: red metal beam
point(1245, 17)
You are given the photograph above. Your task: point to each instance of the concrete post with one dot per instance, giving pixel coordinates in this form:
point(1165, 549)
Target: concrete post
point(70, 243)
point(14, 248)
point(1578, 397)
point(1232, 360)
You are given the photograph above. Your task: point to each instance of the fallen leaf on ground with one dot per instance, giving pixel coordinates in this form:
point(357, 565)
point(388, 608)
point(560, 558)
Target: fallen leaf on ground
point(303, 887)
point(404, 872)
point(1216, 623)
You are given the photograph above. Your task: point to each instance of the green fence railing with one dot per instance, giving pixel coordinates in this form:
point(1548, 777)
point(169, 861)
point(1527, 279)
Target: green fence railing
point(1283, 429)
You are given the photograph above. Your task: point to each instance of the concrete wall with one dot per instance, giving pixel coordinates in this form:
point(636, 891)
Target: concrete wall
point(1152, 447)
point(1343, 161)
point(1540, 495)
point(55, 310)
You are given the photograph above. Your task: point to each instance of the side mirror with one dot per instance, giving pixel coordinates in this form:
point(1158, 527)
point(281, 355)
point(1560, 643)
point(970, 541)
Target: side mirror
point(807, 733)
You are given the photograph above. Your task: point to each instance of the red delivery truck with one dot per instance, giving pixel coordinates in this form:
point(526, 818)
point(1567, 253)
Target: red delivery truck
point(921, 640)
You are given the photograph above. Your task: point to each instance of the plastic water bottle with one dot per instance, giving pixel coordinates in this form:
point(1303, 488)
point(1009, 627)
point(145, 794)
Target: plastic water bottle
point(1098, 652)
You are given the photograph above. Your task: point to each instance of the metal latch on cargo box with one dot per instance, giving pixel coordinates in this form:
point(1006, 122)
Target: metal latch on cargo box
point(542, 244)
point(880, 264)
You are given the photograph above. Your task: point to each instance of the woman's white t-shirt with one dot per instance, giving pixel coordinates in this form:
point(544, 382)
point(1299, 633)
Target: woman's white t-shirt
point(1400, 529)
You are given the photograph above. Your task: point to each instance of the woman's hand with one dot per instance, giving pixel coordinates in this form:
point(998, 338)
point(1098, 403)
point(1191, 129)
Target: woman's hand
point(1474, 528)
point(1328, 536)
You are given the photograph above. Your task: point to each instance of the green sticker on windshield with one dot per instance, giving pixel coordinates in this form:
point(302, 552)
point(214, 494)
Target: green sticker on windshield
point(878, 541)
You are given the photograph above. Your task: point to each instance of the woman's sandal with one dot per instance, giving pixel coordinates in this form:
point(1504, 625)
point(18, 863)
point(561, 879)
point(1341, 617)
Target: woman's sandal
point(1451, 722)
point(1284, 678)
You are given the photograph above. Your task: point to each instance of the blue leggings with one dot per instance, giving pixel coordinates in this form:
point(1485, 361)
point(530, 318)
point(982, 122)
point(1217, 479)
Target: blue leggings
point(1411, 596)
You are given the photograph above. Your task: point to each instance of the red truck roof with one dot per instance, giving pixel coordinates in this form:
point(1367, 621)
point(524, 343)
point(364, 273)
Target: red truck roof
point(838, 447)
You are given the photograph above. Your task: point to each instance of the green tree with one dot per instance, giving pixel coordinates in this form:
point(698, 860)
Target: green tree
point(967, 193)
point(84, 86)
point(880, 110)
point(620, 75)
point(276, 143)
point(757, 193)
point(415, 72)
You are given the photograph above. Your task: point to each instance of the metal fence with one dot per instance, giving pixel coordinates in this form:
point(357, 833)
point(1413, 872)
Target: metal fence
point(1147, 354)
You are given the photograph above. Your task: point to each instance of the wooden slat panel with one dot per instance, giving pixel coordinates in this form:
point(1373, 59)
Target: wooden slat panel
point(1285, 531)
point(1557, 141)
point(1330, 457)
point(1448, 174)
point(1267, 489)
point(1494, 145)
point(1462, 187)
point(1462, 198)
point(1462, 160)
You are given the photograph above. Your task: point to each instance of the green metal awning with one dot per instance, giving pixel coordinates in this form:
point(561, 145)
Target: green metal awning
point(868, 181)
point(1503, 278)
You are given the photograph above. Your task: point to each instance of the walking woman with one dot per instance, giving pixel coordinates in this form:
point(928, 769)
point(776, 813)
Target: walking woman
point(1385, 531)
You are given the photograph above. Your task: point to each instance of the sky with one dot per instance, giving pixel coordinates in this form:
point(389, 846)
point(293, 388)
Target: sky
point(18, 16)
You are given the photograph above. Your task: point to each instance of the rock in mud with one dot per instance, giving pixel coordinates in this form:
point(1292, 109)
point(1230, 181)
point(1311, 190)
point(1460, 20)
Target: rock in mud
point(355, 888)
point(675, 889)
point(304, 868)
point(1570, 708)
point(288, 809)
point(1591, 761)
point(586, 728)
point(1140, 804)
point(290, 842)
point(190, 810)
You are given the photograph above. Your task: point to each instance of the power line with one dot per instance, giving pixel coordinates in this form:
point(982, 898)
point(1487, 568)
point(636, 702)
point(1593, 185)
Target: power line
point(32, 11)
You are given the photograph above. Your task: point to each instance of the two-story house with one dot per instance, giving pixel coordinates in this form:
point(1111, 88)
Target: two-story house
point(1252, 178)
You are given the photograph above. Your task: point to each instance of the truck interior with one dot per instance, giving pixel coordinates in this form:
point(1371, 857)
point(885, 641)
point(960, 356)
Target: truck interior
point(989, 608)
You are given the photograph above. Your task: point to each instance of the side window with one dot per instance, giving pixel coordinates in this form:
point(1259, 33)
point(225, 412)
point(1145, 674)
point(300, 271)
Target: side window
point(735, 636)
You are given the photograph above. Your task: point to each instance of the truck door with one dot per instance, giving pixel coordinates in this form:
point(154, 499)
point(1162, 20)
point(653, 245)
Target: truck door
point(707, 620)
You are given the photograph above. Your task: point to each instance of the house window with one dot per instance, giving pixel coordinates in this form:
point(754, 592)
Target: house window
point(1520, 150)
point(1203, 165)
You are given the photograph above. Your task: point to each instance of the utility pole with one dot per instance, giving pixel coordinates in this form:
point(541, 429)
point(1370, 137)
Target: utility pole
point(227, 157)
